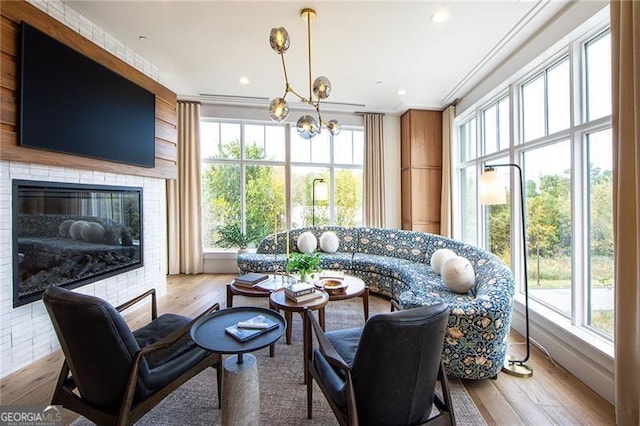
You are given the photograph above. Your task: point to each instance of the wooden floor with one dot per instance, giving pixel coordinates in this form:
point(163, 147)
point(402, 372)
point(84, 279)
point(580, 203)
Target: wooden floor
point(551, 396)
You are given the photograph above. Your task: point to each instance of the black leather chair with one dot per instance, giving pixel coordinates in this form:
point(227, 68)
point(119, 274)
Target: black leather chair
point(119, 375)
point(385, 373)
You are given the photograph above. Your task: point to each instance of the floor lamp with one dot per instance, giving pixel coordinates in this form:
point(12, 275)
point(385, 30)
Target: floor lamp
point(322, 195)
point(491, 190)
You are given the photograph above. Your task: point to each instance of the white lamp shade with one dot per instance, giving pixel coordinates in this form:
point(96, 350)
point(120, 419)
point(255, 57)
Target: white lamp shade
point(492, 188)
point(321, 191)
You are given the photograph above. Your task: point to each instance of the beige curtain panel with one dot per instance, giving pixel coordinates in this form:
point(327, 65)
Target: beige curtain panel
point(373, 197)
point(184, 217)
point(625, 57)
point(446, 209)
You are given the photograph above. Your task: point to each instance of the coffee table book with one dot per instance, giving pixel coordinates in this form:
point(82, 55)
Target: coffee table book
point(305, 297)
point(299, 289)
point(250, 280)
point(243, 334)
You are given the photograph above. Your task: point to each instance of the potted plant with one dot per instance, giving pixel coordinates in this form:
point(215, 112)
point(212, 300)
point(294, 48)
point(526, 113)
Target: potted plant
point(304, 263)
point(231, 235)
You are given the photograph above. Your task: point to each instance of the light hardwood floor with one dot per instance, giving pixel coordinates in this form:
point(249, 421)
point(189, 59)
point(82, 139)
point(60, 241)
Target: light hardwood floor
point(551, 396)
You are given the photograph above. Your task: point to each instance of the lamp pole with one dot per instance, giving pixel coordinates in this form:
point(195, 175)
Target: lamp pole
point(518, 367)
point(313, 200)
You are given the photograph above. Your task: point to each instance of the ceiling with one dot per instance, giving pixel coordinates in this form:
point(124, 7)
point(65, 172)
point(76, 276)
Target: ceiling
point(369, 50)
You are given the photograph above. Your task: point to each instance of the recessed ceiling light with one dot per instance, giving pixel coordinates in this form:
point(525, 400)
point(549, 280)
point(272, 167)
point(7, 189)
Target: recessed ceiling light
point(142, 37)
point(402, 92)
point(440, 16)
point(379, 82)
point(244, 81)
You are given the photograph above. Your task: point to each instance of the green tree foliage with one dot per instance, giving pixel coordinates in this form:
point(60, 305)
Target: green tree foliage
point(264, 193)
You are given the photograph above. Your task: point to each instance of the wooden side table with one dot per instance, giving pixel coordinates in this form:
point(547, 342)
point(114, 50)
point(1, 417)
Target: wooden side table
point(240, 384)
point(278, 301)
point(355, 288)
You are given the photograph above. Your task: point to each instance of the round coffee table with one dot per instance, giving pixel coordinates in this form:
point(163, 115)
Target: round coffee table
point(355, 288)
point(237, 290)
point(278, 301)
point(240, 384)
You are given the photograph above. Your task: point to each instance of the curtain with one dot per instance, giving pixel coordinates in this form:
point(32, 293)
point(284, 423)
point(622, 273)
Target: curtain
point(373, 200)
point(625, 57)
point(446, 210)
point(184, 217)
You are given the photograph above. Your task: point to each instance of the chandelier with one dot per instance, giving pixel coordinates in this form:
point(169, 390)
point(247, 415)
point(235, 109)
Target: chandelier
point(307, 126)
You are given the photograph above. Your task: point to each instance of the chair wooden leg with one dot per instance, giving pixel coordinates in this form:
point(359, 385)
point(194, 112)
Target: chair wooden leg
point(309, 397)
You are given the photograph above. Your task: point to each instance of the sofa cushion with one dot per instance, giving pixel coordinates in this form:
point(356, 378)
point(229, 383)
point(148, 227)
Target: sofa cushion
point(339, 261)
point(307, 242)
point(394, 243)
point(457, 274)
point(383, 265)
point(329, 242)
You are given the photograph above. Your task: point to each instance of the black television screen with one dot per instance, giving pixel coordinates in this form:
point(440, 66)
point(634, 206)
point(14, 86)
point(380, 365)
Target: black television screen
point(72, 104)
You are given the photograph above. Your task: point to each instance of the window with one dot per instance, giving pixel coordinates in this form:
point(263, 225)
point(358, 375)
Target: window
point(567, 166)
point(245, 172)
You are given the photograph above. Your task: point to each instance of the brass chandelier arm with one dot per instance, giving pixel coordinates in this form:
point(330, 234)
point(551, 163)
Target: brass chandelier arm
point(309, 55)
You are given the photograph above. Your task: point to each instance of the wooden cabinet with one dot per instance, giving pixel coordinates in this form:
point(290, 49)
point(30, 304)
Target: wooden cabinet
point(421, 170)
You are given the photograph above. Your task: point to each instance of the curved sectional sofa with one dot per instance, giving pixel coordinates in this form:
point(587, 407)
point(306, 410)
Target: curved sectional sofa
point(396, 264)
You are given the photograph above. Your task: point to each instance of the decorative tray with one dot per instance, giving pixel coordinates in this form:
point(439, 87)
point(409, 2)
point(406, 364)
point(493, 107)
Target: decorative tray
point(331, 285)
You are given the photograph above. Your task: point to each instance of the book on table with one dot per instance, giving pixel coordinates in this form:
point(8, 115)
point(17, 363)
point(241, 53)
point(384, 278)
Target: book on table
point(299, 289)
point(305, 297)
point(250, 279)
point(251, 327)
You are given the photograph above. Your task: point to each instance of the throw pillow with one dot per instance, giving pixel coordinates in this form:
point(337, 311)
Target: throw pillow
point(63, 228)
point(438, 257)
point(93, 233)
point(307, 242)
point(458, 274)
point(329, 242)
point(75, 230)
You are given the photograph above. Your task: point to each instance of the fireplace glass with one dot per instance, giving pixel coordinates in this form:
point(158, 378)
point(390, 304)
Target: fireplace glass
point(70, 235)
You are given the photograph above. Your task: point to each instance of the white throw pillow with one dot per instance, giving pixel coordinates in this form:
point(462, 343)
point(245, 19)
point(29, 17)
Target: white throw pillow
point(329, 242)
point(438, 257)
point(458, 274)
point(307, 242)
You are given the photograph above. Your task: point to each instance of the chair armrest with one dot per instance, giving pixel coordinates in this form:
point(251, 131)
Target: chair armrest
point(154, 305)
point(325, 346)
point(165, 342)
point(395, 306)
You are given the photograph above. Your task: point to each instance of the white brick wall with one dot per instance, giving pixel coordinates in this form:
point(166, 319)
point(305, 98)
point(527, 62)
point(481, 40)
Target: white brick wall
point(26, 333)
point(78, 23)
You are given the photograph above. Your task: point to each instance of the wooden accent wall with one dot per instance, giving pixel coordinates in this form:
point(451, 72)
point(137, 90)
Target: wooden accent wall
point(421, 170)
point(12, 13)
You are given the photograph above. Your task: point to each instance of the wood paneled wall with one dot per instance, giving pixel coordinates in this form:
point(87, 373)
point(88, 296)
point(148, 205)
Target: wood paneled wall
point(421, 170)
point(12, 13)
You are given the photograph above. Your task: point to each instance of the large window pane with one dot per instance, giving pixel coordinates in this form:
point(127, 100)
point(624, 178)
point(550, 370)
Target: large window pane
point(264, 142)
point(601, 261)
point(321, 148)
point(504, 123)
point(265, 200)
point(558, 96)
point(533, 109)
point(304, 212)
point(467, 140)
point(469, 205)
point(548, 204)
point(490, 129)
point(220, 199)
point(229, 141)
point(348, 196)
point(598, 74)
point(209, 140)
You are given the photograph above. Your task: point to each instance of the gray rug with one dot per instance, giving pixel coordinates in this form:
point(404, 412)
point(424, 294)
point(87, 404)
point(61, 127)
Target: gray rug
point(282, 392)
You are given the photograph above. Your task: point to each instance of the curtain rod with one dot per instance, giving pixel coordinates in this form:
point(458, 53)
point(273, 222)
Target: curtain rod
point(363, 113)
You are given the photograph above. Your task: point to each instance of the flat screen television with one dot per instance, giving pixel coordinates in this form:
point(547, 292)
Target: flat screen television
point(72, 104)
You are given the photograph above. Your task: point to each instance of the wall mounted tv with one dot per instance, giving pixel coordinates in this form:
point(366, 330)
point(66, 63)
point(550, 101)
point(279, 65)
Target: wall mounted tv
point(72, 104)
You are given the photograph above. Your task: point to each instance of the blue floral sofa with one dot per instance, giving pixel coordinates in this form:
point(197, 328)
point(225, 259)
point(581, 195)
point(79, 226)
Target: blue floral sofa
point(396, 264)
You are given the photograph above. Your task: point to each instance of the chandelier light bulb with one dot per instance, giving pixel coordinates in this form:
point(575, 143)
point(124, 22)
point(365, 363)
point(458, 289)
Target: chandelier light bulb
point(334, 127)
point(322, 87)
point(278, 109)
point(307, 127)
point(279, 39)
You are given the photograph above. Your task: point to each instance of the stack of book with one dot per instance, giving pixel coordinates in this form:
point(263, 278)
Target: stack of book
point(331, 274)
point(301, 292)
point(250, 328)
point(250, 280)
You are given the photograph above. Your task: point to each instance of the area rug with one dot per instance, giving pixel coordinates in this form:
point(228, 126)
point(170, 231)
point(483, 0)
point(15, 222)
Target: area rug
point(282, 391)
